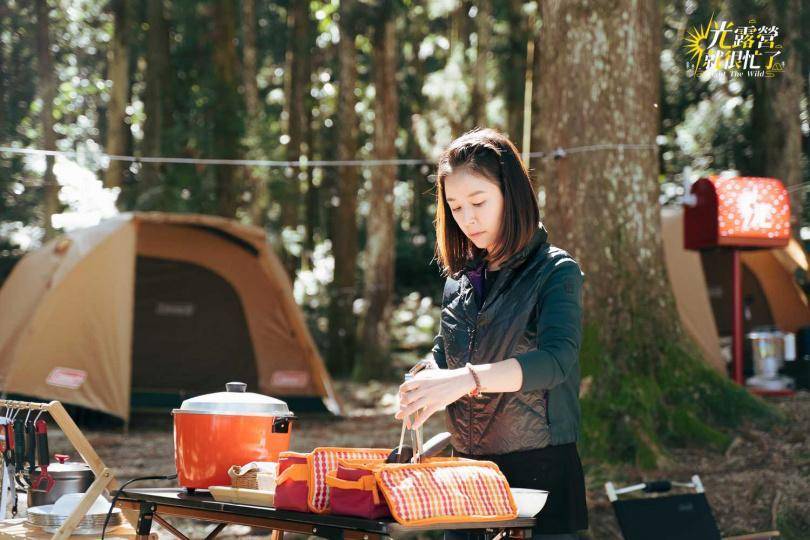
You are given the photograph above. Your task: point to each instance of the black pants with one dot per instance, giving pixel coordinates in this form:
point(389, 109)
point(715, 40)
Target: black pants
point(556, 469)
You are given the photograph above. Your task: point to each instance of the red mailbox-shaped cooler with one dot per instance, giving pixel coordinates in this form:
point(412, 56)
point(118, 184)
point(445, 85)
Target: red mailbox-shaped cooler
point(737, 212)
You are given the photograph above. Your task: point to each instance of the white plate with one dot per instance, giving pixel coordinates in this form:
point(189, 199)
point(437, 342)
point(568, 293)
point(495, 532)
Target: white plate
point(529, 501)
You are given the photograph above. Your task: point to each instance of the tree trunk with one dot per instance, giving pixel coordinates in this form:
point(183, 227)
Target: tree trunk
point(118, 73)
point(535, 128)
point(483, 30)
point(47, 89)
point(513, 70)
point(344, 225)
point(776, 115)
point(602, 206)
point(380, 243)
point(311, 203)
point(150, 192)
point(256, 178)
point(227, 107)
point(297, 88)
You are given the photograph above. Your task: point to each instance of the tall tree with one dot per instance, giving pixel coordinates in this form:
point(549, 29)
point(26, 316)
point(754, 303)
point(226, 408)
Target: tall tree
point(603, 207)
point(118, 73)
point(257, 179)
point(227, 108)
point(776, 115)
point(151, 190)
point(483, 31)
point(513, 68)
point(297, 118)
point(312, 203)
point(381, 223)
point(47, 91)
point(343, 223)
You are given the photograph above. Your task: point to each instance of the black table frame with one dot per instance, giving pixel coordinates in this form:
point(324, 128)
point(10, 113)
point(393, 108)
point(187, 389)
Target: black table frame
point(154, 504)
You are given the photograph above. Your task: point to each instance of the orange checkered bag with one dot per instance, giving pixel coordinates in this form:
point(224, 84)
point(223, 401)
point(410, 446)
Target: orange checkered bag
point(436, 490)
point(323, 460)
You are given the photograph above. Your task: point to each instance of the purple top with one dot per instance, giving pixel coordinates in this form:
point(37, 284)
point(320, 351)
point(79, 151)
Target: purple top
point(476, 277)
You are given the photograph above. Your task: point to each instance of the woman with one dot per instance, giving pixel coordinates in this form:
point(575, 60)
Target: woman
point(510, 332)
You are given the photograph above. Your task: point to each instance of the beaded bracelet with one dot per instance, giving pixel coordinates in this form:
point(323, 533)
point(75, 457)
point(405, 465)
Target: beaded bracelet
point(477, 390)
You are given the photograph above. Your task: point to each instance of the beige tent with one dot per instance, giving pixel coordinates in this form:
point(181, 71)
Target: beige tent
point(160, 303)
point(701, 283)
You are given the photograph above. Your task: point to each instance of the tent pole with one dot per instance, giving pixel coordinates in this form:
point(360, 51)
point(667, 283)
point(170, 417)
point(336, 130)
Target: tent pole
point(737, 316)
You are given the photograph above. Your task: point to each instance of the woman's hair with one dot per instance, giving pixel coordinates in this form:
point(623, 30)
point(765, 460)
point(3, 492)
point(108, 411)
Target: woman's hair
point(493, 156)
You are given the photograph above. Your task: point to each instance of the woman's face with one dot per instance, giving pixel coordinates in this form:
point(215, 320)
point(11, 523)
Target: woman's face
point(476, 204)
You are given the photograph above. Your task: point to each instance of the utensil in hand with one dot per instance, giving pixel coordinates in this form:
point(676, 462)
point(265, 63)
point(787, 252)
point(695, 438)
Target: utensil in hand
point(402, 453)
point(433, 446)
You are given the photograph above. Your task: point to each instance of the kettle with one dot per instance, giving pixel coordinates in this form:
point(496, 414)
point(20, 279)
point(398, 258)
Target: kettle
point(69, 477)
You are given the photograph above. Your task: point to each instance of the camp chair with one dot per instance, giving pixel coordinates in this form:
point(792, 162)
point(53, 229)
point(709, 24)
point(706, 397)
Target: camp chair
point(686, 516)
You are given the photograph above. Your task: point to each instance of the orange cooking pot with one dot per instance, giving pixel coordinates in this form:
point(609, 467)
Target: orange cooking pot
point(215, 431)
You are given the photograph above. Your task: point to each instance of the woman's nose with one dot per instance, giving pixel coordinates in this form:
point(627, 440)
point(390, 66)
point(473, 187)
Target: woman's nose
point(468, 216)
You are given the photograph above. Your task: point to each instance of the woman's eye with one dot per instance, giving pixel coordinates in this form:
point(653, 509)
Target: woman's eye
point(455, 209)
point(479, 204)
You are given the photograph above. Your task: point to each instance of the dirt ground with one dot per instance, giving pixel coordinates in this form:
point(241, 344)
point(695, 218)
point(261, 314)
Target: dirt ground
point(761, 482)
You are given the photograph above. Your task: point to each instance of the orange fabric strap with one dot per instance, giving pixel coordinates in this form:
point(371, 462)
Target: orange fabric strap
point(365, 483)
point(297, 472)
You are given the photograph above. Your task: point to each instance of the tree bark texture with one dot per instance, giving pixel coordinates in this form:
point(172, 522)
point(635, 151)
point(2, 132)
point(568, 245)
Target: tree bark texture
point(342, 325)
point(227, 110)
point(47, 92)
point(118, 73)
point(297, 88)
point(380, 243)
point(602, 205)
point(776, 114)
point(483, 30)
point(156, 104)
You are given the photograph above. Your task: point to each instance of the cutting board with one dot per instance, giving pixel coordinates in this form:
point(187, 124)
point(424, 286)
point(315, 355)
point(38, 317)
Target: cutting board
point(255, 497)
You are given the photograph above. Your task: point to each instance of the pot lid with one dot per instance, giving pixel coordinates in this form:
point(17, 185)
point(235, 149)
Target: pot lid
point(235, 400)
point(63, 465)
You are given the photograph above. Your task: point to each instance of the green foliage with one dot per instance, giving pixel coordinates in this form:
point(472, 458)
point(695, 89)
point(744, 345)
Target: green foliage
point(631, 415)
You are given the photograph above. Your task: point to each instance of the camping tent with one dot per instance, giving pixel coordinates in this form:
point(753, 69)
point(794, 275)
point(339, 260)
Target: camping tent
point(701, 283)
point(160, 303)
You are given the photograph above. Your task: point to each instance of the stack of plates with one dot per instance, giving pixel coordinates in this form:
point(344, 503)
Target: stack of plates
point(92, 523)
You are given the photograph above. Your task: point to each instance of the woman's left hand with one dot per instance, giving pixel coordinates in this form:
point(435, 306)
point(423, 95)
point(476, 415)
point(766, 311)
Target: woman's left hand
point(430, 390)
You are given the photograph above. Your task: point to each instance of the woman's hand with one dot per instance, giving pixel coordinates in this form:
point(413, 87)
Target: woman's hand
point(430, 390)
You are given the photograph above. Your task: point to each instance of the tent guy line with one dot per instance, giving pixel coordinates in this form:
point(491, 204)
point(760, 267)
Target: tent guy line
point(555, 154)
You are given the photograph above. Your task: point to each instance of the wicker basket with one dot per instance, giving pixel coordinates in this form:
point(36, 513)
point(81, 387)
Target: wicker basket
point(254, 475)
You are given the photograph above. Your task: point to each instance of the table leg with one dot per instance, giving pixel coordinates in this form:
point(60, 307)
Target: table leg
point(145, 516)
point(169, 527)
point(216, 530)
point(277, 534)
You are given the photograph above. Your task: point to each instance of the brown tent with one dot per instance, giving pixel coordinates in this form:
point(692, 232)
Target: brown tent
point(156, 303)
point(701, 283)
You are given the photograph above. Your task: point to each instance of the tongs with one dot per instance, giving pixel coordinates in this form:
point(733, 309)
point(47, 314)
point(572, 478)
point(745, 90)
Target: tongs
point(404, 453)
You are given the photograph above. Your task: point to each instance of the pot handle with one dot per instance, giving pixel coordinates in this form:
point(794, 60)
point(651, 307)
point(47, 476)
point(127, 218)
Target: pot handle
point(235, 387)
point(281, 425)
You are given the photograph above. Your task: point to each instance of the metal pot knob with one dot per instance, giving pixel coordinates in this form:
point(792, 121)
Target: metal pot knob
point(235, 387)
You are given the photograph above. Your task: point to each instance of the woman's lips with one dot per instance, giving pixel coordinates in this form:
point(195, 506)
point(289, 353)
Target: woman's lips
point(476, 235)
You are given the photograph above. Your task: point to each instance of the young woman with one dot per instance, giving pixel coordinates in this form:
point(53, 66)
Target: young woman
point(510, 332)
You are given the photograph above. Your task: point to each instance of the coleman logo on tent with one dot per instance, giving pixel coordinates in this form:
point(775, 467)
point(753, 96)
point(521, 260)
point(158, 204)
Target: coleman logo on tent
point(175, 309)
point(66, 377)
point(289, 378)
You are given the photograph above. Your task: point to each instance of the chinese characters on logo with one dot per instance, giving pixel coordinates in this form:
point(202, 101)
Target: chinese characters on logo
point(751, 50)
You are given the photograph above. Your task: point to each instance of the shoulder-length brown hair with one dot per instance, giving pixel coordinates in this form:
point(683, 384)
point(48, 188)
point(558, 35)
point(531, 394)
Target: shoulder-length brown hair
point(493, 156)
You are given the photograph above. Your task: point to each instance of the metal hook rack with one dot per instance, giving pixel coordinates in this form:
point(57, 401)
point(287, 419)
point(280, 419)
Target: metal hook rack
point(104, 481)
